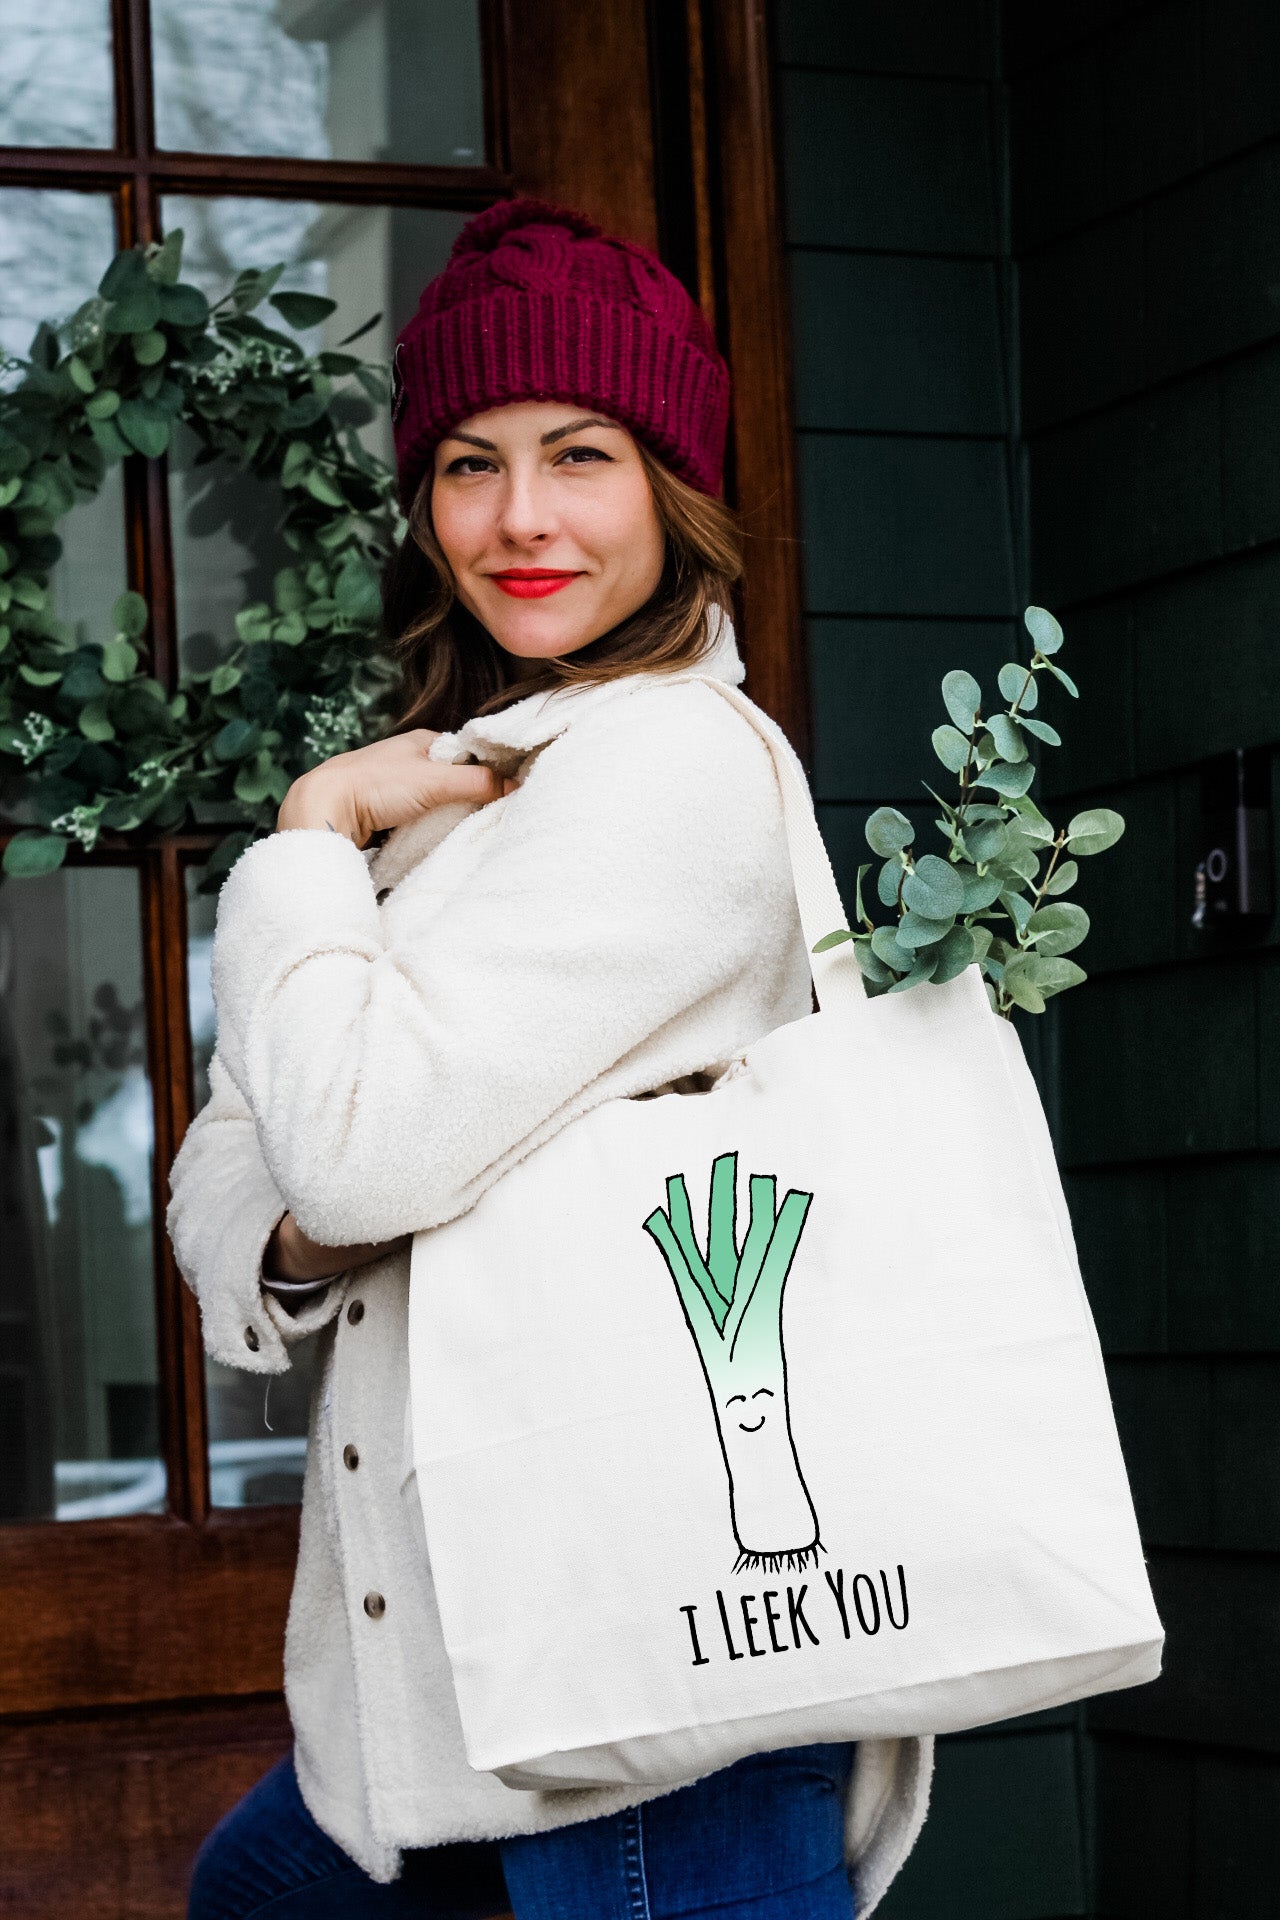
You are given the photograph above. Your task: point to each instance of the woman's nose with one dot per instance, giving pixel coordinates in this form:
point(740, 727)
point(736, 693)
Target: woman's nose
point(526, 516)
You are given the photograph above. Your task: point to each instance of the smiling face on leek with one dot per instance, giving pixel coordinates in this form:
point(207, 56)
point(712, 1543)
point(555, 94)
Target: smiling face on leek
point(750, 1416)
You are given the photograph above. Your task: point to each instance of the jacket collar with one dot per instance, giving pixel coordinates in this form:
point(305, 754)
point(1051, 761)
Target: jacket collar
point(504, 739)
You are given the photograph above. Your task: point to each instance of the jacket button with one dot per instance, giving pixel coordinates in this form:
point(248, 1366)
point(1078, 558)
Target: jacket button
point(355, 1312)
point(374, 1605)
point(350, 1458)
point(251, 1339)
point(381, 895)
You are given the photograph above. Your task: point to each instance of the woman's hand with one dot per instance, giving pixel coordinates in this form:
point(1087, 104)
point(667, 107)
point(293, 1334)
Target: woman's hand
point(385, 784)
point(290, 1255)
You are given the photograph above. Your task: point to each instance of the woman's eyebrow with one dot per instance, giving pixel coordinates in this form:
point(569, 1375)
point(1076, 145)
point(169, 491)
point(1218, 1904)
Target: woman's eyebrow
point(576, 426)
point(472, 440)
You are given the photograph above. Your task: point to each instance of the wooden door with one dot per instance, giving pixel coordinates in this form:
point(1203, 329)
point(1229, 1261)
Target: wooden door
point(141, 1630)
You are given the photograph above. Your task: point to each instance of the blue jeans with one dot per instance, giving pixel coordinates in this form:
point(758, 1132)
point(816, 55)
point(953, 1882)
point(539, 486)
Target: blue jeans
point(761, 1840)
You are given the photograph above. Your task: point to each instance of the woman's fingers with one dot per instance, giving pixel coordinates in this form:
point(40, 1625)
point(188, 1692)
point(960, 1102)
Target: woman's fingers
point(468, 783)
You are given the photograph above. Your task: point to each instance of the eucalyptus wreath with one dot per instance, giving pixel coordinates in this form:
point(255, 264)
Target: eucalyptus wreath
point(89, 736)
point(996, 897)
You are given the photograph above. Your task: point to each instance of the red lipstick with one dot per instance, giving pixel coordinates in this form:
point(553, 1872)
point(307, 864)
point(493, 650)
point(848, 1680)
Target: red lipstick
point(532, 583)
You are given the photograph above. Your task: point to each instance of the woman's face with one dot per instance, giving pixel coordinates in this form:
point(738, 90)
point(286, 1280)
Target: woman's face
point(545, 515)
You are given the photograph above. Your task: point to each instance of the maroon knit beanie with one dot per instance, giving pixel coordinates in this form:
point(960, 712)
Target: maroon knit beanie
point(537, 303)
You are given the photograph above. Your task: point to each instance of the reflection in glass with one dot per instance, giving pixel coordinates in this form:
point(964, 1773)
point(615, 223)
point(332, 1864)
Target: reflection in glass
point(392, 80)
point(55, 73)
point(54, 248)
point(79, 1393)
point(257, 1432)
point(226, 543)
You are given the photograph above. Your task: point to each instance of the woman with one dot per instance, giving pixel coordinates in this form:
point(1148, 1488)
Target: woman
point(584, 895)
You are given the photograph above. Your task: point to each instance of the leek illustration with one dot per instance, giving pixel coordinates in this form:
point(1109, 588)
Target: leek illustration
point(732, 1301)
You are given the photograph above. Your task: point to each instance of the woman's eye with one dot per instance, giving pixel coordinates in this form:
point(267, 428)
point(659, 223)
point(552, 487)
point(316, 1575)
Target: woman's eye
point(580, 456)
point(470, 463)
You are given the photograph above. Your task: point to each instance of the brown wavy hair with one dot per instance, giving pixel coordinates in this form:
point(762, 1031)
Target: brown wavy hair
point(452, 668)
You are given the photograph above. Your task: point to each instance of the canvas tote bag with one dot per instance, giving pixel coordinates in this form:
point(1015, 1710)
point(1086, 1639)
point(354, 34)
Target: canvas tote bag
point(775, 1414)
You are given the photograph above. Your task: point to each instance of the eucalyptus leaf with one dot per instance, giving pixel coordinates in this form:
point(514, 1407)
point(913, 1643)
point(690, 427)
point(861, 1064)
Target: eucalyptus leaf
point(1010, 744)
point(1058, 928)
point(982, 891)
point(1094, 831)
point(934, 889)
point(149, 348)
point(321, 488)
point(303, 310)
point(1011, 781)
point(95, 722)
point(254, 623)
point(830, 940)
point(183, 306)
point(962, 697)
point(1063, 878)
point(886, 949)
point(1065, 678)
point(1018, 683)
point(987, 841)
point(981, 938)
point(144, 425)
point(951, 747)
point(1018, 909)
point(31, 853)
point(924, 969)
point(129, 615)
point(955, 953)
point(1018, 983)
point(915, 931)
point(872, 968)
point(1042, 730)
point(888, 831)
point(860, 911)
point(888, 881)
point(1043, 628)
point(236, 739)
point(164, 262)
point(135, 312)
point(119, 660)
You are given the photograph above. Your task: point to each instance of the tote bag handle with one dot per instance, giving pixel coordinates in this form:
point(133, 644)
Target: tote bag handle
point(837, 978)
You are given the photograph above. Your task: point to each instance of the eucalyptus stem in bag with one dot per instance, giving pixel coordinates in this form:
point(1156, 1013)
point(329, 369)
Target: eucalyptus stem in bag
point(996, 898)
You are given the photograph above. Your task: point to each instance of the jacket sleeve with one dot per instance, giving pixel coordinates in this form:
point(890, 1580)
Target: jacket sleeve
point(223, 1204)
point(639, 868)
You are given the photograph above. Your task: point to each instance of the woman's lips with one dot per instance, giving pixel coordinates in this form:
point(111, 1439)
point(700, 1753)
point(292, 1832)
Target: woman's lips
point(532, 583)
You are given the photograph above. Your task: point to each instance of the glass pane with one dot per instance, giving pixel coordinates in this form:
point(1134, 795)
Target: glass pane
point(324, 79)
point(226, 544)
point(257, 1432)
point(55, 73)
point(55, 246)
point(79, 1393)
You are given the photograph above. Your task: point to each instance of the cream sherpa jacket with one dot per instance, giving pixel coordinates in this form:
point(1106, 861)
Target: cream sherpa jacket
point(396, 1027)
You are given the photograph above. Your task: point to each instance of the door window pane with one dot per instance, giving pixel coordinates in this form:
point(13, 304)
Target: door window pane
point(225, 524)
point(392, 80)
point(55, 73)
point(257, 1431)
point(79, 1394)
point(55, 247)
